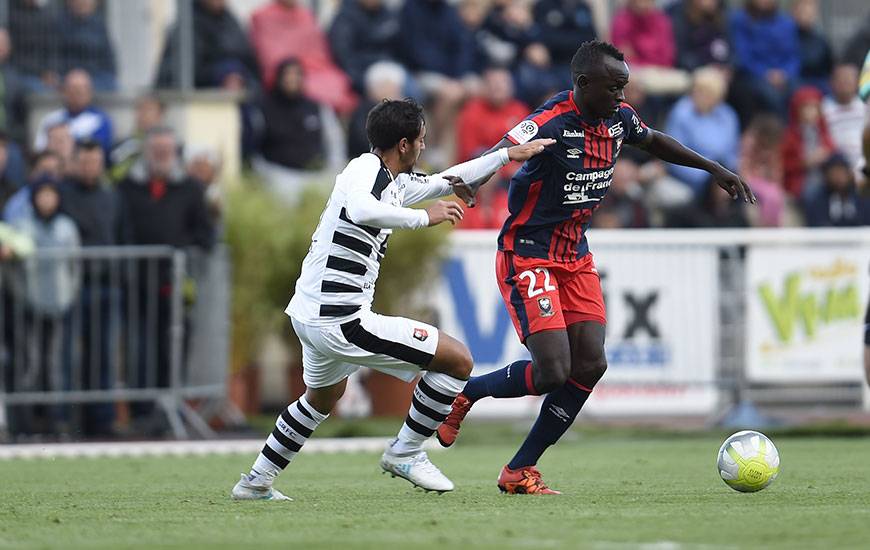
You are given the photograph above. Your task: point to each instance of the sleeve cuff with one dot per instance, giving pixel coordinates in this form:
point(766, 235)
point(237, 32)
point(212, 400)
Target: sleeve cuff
point(424, 219)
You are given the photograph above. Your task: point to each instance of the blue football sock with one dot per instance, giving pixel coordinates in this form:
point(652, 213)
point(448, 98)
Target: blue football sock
point(558, 412)
point(514, 380)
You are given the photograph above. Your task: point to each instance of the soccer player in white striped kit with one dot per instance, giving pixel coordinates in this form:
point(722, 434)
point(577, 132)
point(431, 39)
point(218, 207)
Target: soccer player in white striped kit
point(331, 308)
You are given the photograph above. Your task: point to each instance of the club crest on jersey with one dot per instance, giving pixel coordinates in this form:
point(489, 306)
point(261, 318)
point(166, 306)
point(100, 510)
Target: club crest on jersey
point(524, 131)
point(546, 306)
point(573, 133)
point(574, 153)
point(615, 130)
point(421, 334)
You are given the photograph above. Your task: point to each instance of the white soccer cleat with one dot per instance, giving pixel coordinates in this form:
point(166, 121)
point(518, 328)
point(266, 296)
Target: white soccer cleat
point(247, 489)
point(417, 469)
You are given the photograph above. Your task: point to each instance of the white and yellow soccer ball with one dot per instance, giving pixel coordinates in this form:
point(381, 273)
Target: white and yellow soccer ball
point(748, 461)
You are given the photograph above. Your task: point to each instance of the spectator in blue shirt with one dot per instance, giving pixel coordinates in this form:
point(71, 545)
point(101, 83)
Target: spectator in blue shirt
point(85, 44)
point(767, 57)
point(85, 121)
point(703, 122)
point(439, 49)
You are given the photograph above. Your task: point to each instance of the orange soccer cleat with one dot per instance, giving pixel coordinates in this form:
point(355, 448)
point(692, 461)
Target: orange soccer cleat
point(449, 429)
point(525, 481)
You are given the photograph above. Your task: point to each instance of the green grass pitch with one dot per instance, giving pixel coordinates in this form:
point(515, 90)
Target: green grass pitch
point(620, 493)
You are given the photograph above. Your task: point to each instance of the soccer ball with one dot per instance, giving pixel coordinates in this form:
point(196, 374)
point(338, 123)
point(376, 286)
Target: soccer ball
point(748, 461)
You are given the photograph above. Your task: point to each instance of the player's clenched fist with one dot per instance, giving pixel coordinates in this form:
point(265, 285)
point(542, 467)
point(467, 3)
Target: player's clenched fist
point(526, 151)
point(444, 211)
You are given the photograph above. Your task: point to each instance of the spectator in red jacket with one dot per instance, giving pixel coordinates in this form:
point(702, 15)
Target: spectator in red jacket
point(644, 33)
point(285, 29)
point(807, 143)
point(486, 119)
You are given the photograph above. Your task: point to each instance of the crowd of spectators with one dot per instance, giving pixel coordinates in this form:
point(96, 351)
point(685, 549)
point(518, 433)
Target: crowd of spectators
point(725, 78)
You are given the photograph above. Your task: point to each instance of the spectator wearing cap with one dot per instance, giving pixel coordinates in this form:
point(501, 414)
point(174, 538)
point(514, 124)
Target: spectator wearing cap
point(85, 120)
point(836, 201)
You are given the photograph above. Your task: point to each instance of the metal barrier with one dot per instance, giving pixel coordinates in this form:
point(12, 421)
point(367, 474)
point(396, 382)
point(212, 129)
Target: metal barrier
point(98, 325)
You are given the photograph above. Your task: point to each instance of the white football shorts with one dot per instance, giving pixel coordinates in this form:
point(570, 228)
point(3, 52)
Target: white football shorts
point(394, 345)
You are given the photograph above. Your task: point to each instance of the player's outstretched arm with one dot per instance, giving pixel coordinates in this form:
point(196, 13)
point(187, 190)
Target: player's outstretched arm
point(517, 153)
point(670, 150)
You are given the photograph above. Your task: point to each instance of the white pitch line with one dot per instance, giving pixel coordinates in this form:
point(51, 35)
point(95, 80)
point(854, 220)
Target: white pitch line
point(184, 448)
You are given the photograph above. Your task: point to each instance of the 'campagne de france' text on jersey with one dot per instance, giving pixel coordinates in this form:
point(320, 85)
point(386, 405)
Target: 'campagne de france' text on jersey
point(552, 196)
point(367, 203)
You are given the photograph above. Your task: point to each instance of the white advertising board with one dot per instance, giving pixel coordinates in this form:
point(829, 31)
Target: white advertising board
point(662, 309)
point(805, 307)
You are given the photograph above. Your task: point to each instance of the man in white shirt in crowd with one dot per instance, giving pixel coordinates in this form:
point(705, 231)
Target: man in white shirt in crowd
point(844, 113)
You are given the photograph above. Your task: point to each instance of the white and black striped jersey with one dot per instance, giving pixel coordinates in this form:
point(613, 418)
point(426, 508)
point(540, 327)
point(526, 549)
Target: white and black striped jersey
point(367, 203)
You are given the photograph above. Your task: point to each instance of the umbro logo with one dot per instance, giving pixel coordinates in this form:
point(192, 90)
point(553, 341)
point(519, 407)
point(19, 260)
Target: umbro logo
point(560, 413)
point(573, 133)
point(574, 153)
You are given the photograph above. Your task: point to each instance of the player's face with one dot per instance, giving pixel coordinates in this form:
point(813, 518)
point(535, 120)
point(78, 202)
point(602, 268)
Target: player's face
point(604, 88)
point(410, 150)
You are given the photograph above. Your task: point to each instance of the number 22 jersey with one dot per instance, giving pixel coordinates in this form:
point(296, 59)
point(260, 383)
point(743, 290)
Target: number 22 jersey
point(553, 195)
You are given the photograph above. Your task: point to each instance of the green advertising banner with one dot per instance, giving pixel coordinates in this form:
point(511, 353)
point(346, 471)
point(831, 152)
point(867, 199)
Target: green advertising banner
point(805, 307)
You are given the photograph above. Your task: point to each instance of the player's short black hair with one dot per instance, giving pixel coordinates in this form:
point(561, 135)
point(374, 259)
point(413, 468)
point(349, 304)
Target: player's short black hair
point(391, 120)
point(591, 54)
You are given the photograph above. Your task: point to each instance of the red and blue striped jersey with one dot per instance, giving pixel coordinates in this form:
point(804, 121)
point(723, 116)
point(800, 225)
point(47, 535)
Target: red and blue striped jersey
point(553, 195)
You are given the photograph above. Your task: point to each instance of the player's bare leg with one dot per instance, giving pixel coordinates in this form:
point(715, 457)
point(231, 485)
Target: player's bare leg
point(435, 392)
point(293, 427)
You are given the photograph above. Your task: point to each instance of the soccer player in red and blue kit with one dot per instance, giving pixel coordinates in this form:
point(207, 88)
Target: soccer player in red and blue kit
point(545, 271)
